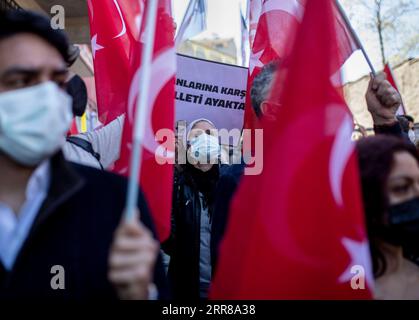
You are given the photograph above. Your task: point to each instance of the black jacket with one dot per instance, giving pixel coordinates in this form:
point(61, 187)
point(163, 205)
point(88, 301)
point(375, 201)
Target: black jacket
point(225, 191)
point(73, 229)
point(183, 246)
point(393, 130)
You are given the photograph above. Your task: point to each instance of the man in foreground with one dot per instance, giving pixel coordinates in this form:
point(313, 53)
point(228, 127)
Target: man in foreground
point(61, 235)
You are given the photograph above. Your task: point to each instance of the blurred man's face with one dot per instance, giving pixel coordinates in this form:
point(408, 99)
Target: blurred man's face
point(33, 134)
point(27, 60)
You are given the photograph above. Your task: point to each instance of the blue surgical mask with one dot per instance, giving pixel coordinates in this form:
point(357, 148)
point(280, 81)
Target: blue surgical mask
point(34, 122)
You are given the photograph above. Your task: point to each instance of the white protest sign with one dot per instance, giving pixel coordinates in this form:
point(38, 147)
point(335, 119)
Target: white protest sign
point(210, 90)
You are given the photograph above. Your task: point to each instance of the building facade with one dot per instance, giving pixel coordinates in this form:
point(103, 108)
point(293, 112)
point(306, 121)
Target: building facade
point(214, 49)
point(406, 75)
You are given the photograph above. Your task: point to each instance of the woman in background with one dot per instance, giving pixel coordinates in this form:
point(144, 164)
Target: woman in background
point(189, 246)
point(389, 170)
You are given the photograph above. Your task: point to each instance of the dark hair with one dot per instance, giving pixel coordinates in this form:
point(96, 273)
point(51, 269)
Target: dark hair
point(376, 160)
point(14, 22)
point(261, 86)
point(408, 118)
point(77, 89)
point(404, 123)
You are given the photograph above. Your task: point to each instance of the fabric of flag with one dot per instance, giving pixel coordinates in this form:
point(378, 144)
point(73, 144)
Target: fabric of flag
point(74, 130)
point(271, 25)
point(114, 29)
point(389, 73)
point(255, 9)
point(302, 234)
point(194, 21)
point(117, 31)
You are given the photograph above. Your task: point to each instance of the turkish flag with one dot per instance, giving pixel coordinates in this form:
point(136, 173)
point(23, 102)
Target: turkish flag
point(302, 234)
point(389, 73)
point(117, 30)
point(272, 26)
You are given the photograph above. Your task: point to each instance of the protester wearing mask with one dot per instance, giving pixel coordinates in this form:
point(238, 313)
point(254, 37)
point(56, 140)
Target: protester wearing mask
point(99, 148)
point(404, 124)
point(58, 217)
point(389, 168)
point(189, 245)
point(411, 132)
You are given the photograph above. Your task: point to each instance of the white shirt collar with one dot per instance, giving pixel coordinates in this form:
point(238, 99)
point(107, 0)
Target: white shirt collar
point(14, 229)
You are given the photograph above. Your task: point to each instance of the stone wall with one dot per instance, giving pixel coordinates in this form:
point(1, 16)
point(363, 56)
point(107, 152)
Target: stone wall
point(407, 78)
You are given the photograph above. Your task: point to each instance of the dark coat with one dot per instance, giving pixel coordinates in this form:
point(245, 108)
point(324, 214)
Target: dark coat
point(393, 130)
point(73, 229)
point(225, 191)
point(183, 246)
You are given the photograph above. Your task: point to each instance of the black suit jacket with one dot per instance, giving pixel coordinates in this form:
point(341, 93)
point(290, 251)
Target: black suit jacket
point(74, 229)
point(226, 189)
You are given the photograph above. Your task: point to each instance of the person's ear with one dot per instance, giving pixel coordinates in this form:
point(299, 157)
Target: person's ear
point(77, 89)
point(269, 110)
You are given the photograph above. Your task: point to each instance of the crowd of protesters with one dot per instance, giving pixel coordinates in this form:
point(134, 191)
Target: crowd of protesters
point(56, 212)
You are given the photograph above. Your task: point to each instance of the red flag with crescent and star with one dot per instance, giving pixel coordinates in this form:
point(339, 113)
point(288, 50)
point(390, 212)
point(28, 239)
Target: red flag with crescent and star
point(271, 36)
point(302, 234)
point(117, 32)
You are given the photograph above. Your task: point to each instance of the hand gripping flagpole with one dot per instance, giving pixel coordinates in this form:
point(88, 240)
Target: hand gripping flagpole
point(141, 111)
point(355, 36)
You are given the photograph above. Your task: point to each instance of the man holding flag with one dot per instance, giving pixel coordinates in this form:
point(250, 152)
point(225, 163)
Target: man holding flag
point(118, 33)
point(61, 230)
point(304, 242)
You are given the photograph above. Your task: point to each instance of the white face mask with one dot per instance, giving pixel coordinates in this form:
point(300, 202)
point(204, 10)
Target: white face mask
point(412, 136)
point(204, 149)
point(34, 122)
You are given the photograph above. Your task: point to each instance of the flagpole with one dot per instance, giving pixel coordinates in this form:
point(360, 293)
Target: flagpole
point(355, 36)
point(141, 111)
point(181, 31)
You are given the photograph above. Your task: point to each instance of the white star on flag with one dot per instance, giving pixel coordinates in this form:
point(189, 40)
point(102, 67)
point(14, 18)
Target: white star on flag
point(360, 256)
point(255, 61)
point(95, 46)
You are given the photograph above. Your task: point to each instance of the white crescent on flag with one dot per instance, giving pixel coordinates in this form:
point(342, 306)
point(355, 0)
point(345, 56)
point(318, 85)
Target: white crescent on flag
point(341, 152)
point(124, 27)
point(90, 6)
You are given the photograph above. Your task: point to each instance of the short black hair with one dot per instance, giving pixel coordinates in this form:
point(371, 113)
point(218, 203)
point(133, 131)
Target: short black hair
point(13, 22)
point(409, 118)
point(404, 123)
